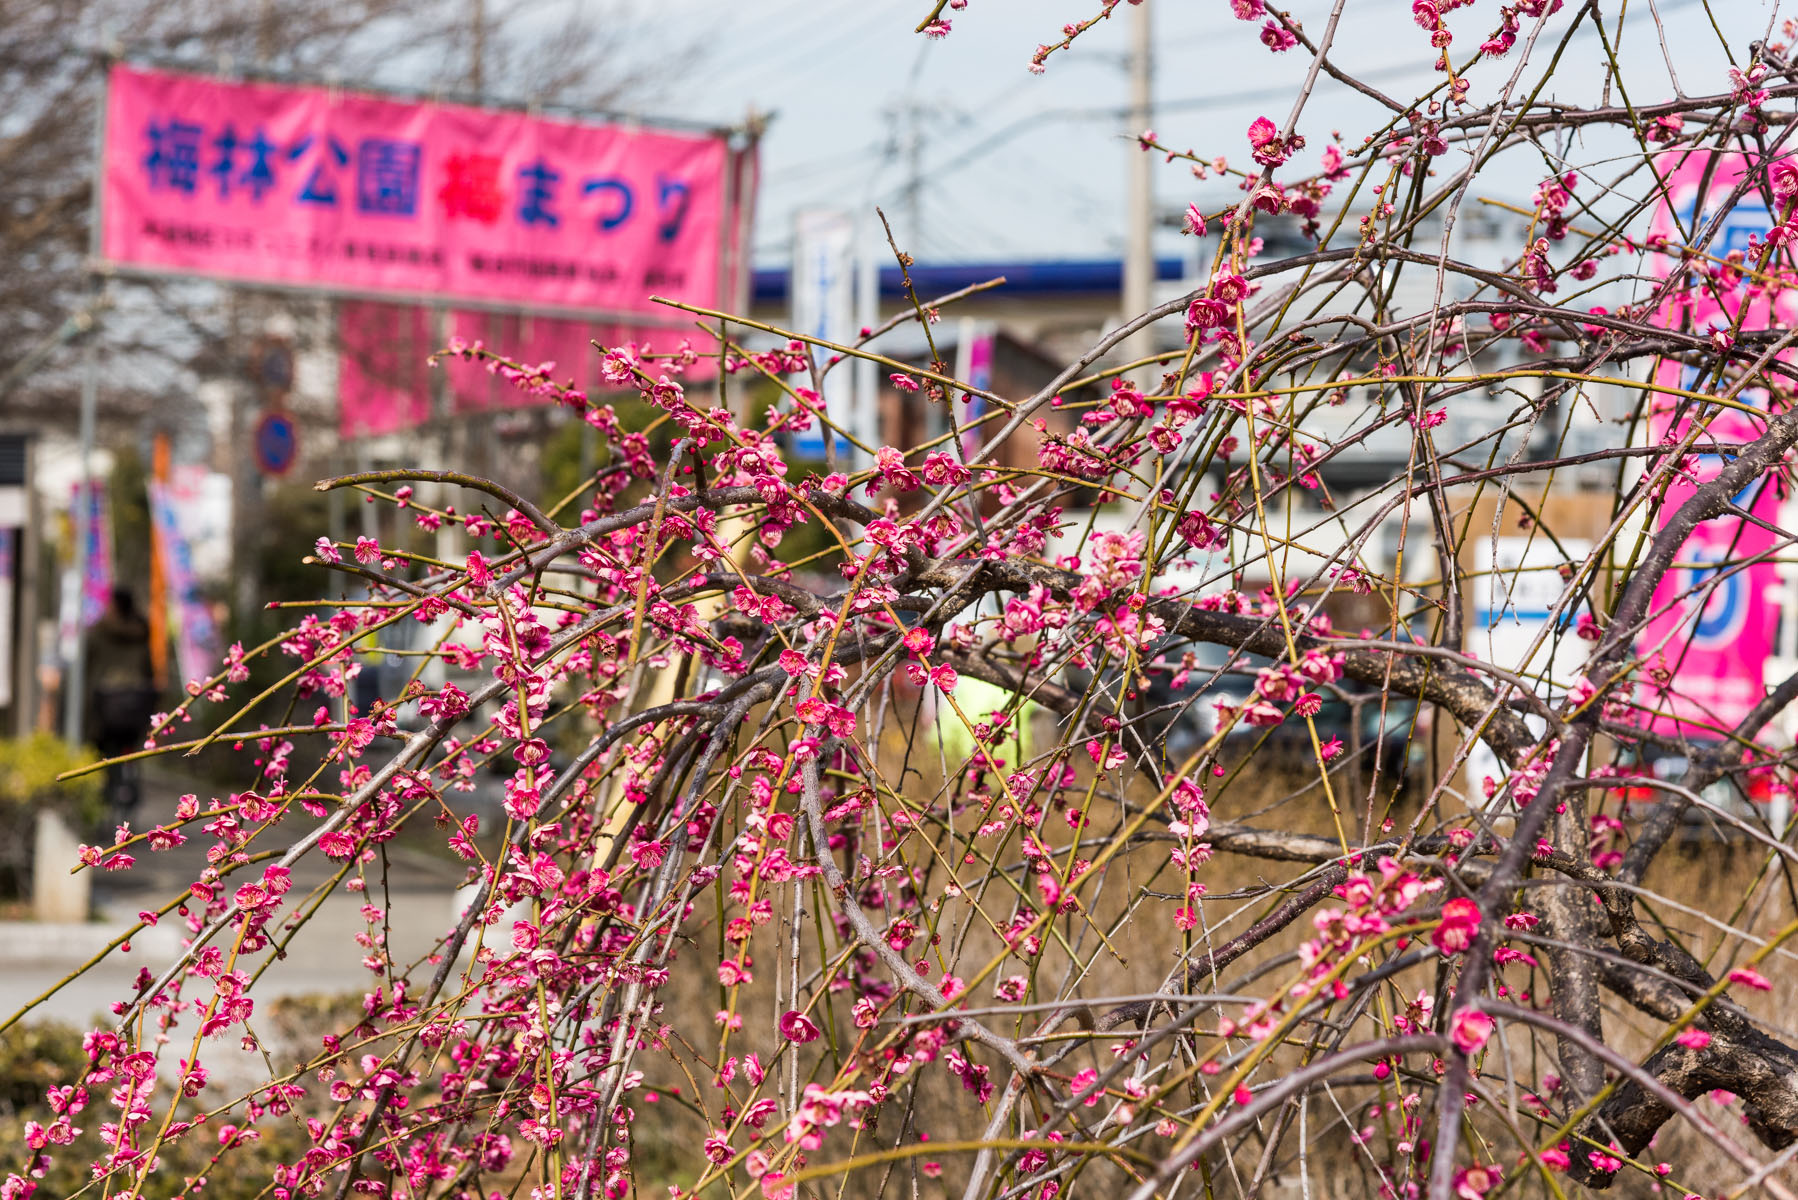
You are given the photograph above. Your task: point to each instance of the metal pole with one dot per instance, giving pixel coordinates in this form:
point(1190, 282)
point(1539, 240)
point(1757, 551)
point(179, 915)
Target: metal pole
point(867, 315)
point(77, 324)
point(27, 698)
point(1139, 248)
point(74, 694)
point(477, 45)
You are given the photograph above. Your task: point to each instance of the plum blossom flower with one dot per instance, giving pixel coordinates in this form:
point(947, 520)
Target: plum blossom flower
point(1264, 137)
point(796, 1027)
point(1469, 1029)
point(1605, 1164)
point(1460, 923)
point(1206, 313)
point(1260, 712)
point(337, 844)
point(1750, 978)
point(1277, 38)
point(1472, 1183)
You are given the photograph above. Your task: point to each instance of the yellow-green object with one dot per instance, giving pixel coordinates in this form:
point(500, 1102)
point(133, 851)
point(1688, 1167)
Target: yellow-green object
point(976, 698)
point(29, 768)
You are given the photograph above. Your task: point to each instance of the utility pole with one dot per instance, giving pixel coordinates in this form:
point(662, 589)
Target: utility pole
point(477, 49)
point(453, 435)
point(247, 314)
point(914, 176)
point(1139, 246)
point(867, 316)
point(909, 113)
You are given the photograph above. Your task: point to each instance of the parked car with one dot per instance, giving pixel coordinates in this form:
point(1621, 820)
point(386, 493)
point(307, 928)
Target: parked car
point(1183, 718)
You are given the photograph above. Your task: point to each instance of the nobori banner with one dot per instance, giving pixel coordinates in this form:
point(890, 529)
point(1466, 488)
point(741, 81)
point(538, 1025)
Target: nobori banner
point(1714, 617)
point(354, 193)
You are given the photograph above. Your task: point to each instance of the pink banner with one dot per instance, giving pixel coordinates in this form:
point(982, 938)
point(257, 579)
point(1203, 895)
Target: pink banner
point(383, 380)
point(384, 383)
point(357, 193)
point(1716, 642)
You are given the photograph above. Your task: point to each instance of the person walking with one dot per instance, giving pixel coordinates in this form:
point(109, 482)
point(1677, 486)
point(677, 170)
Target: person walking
point(121, 694)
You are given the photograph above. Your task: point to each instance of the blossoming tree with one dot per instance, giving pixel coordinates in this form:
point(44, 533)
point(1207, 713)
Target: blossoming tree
point(741, 871)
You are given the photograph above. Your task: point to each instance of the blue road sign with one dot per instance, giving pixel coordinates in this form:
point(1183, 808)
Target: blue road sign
point(277, 443)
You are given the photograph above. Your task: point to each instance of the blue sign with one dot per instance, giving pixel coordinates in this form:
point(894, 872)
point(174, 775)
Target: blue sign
point(1724, 608)
point(1747, 219)
point(277, 443)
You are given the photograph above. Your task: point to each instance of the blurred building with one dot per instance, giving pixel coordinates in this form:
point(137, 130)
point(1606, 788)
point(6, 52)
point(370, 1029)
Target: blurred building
point(1061, 306)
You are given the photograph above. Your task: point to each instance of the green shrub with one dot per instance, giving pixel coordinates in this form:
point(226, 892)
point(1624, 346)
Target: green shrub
point(36, 1057)
point(28, 782)
point(29, 767)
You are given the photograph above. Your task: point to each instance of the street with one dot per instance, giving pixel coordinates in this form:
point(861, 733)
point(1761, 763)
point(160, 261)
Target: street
point(318, 959)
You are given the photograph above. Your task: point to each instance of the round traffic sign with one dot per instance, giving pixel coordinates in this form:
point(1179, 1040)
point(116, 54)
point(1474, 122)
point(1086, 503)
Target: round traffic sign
point(277, 443)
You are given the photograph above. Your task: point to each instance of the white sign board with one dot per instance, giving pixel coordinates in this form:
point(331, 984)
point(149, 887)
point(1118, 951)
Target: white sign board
point(823, 298)
point(202, 503)
point(1519, 623)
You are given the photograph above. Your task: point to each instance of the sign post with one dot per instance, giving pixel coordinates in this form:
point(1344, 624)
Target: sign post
point(196, 637)
point(87, 518)
point(974, 366)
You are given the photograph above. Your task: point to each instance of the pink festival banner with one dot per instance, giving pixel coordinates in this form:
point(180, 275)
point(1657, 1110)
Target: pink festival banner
point(1715, 625)
point(356, 193)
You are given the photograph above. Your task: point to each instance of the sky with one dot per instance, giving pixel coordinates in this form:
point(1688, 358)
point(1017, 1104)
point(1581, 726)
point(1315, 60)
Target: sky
point(1015, 165)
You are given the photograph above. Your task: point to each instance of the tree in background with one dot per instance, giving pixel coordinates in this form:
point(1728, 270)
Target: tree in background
point(741, 881)
point(161, 337)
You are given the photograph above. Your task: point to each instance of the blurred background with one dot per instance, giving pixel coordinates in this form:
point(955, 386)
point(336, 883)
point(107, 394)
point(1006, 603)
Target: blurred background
point(233, 231)
point(167, 401)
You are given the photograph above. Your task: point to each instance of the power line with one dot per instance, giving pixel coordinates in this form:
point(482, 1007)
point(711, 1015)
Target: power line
point(1231, 99)
point(831, 39)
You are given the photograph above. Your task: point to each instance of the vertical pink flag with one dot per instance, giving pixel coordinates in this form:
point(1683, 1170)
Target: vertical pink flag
point(1715, 642)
